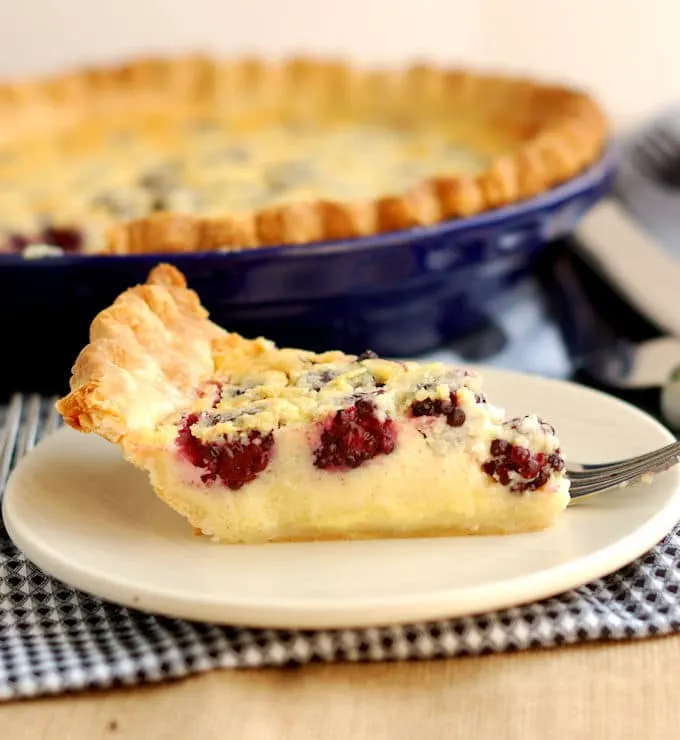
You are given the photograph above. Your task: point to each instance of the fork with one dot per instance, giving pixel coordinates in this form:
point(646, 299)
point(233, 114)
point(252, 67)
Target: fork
point(590, 479)
point(657, 155)
point(22, 431)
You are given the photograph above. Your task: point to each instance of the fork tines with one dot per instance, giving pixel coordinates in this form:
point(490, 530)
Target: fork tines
point(27, 420)
point(594, 478)
point(8, 440)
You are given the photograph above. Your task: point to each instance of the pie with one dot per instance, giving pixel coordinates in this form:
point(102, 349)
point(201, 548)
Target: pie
point(193, 154)
point(252, 443)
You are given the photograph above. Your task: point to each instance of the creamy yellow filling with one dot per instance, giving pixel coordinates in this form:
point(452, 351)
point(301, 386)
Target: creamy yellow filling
point(205, 168)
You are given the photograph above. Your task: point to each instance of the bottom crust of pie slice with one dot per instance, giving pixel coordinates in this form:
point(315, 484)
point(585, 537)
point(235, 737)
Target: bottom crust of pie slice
point(416, 491)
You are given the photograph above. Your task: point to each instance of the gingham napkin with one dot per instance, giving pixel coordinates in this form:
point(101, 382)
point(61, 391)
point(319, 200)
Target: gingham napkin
point(54, 639)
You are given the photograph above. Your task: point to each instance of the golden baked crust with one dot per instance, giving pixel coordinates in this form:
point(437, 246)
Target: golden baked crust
point(532, 136)
point(147, 352)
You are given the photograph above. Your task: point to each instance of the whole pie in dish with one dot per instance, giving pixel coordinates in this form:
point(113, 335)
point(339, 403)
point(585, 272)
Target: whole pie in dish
point(252, 443)
point(196, 154)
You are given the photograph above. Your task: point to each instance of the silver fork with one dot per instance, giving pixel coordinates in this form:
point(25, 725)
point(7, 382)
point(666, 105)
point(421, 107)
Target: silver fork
point(587, 480)
point(23, 428)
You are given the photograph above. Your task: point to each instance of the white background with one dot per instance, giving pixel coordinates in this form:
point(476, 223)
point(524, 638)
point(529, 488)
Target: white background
point(625, 51)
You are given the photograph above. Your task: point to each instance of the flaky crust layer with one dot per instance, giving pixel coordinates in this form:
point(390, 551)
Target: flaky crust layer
point(147, 352)
point(550, 133)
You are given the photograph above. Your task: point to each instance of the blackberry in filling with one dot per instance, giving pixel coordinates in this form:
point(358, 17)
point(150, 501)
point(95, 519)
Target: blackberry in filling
point(518, 468)
point(235, 460)
point(455, 416)
point(70, 240)
point(352, 436)
point(67, 239)
point(17, 243)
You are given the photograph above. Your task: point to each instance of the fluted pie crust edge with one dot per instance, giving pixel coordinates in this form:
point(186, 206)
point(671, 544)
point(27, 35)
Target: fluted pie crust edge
point(147, 353)
point(554, 133)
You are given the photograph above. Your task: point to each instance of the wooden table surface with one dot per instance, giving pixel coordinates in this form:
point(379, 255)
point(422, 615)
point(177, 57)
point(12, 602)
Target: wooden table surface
point(615, 691)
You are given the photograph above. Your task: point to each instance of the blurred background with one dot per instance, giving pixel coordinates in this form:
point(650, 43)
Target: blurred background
point(625, 51)
point(581, 312)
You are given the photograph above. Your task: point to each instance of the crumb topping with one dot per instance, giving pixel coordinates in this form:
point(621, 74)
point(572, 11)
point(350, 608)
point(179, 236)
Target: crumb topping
point(446, 405)
point(293, 387)
point(530, 431)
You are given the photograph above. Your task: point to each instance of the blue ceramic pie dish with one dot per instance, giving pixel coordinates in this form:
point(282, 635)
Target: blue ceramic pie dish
point(399, 294)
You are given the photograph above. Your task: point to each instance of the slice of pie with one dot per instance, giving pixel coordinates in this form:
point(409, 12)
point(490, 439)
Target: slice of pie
point(194, 154)
point(252, 443)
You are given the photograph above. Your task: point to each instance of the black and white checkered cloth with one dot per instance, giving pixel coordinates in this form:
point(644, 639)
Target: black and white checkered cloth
point(54, 639)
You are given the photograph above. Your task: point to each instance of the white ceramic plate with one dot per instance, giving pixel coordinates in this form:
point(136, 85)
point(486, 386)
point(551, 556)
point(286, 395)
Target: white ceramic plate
point(84, 515)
